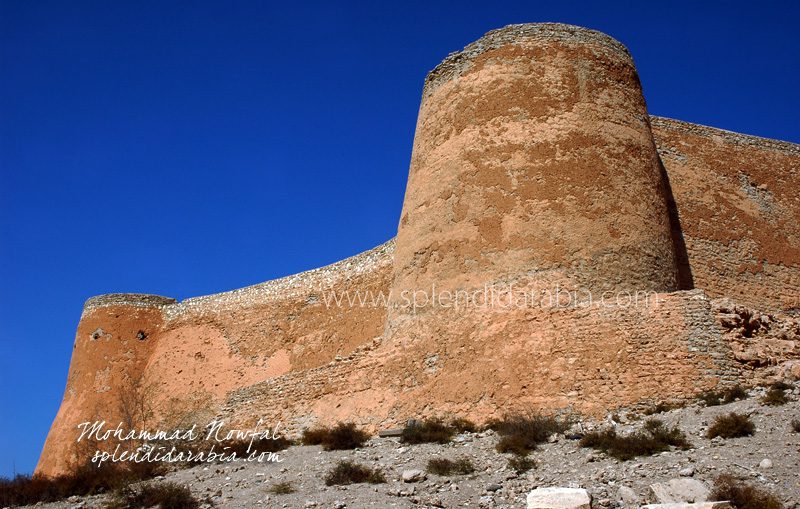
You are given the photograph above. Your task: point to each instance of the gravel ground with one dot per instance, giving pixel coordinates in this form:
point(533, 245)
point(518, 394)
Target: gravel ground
point(561, 462)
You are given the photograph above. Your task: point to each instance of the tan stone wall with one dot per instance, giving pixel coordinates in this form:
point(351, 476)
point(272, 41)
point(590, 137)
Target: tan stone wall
point(199, 350)
point(739, 207)
point(490, 362)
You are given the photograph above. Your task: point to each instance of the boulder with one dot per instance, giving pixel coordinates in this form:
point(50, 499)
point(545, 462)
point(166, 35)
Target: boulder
point(627, 498)
point(680, 491)
point(414, 475)
point(559, 498)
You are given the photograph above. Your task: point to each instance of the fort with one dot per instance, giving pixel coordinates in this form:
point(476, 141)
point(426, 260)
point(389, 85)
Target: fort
point(535, 163)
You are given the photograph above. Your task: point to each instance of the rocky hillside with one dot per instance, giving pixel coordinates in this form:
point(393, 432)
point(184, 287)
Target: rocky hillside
point(768, 459)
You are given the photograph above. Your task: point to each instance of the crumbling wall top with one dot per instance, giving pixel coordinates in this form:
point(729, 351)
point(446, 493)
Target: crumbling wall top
point(457, 62)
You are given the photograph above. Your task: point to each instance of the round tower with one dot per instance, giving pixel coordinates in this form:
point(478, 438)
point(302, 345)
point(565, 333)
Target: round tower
point(533, 160)
point(116, 336)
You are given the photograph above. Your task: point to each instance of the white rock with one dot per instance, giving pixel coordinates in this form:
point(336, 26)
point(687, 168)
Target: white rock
point(765, 463)
point(627, 498)
point(680, 491)
point(559, 498)
point(414, 475)
point(686, 472)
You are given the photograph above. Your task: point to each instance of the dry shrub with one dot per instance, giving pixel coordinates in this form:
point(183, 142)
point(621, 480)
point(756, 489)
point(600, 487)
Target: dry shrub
point(343, 436)
point(166, 495)
point(743, 495)
point(521, 464)
point(655, 437)
point(715, 398)
point(732, 425)
point(443, 466)
point(462, 425)
point(735, 393)
point(281, 488)
point(347, 472)
point(659, 408)
point(428, 431)
point(85, 480)
point(520, 434)
point(775, 397)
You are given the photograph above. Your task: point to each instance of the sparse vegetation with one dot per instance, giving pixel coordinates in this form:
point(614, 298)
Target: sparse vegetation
point(86, 480)
point(281, 488)
point(343, 436)
point(520, 434)
point(443, 466)
point(166, 495)
point(732, 425)
point(428, 431)
point(659, 408)
point(521, 464)
point(743, 495)
point(347, 472)
point(775, 397)
point(795, 425)
point(715, 398)
point(735, 393)
point(462, 425)
point(655, 437)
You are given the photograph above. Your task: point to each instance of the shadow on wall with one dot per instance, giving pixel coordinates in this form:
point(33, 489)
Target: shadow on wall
point(685, 278)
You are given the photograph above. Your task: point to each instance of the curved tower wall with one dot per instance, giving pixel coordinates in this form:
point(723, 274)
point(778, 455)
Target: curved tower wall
point(533, 158)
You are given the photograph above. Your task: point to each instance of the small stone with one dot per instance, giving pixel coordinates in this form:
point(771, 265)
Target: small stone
point(765, 463)
point(494, 487)
point(686, 472)
point(627, 498)
point(414, 475)
point(338, 504)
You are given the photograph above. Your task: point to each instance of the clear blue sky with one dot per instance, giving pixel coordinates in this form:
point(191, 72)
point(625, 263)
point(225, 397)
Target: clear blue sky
point(186, 148)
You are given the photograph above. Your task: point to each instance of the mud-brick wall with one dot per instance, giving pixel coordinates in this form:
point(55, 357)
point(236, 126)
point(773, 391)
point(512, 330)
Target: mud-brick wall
point(738, 203)
point(484, 364)
point(190, 355)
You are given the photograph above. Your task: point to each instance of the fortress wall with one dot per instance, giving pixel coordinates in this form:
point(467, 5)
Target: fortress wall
point(529, 146)
point(739, 208)
point(107, 355)
point(199, 350)
point(534, 166)
point(490, 362)
point(294, 322)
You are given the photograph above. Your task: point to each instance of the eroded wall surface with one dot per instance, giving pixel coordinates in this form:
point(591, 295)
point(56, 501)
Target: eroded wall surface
point(739, 207)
